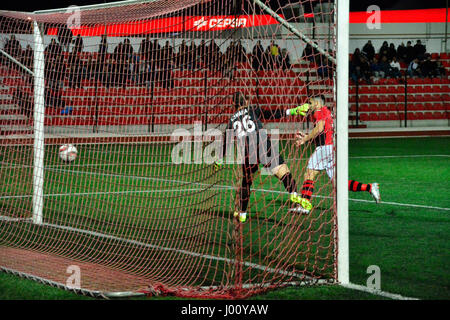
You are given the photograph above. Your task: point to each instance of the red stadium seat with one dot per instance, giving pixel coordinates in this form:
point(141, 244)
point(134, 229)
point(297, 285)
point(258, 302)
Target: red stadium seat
point(364, 117)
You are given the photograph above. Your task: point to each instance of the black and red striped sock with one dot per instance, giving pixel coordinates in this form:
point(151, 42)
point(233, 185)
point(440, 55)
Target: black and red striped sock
point(356, 186)
point(307, 189)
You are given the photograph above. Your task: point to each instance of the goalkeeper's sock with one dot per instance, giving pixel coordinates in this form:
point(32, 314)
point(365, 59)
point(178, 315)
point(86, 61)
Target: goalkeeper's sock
point(289, 183)
point(244, 198)
point(356, 186)
point(307, 189)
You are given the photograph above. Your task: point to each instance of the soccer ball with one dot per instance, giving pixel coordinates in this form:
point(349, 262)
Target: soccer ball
point(68, 152)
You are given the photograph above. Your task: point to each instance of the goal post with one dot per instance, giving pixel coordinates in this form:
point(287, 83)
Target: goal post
point(38, 124)
point(342, 51)
point(144, 90)
point(341, 77)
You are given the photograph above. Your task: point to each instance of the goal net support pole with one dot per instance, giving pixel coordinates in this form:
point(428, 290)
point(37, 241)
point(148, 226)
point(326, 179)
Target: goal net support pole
point(294, 30)
point(39, 111)
point(342, 31)
point(16, 62)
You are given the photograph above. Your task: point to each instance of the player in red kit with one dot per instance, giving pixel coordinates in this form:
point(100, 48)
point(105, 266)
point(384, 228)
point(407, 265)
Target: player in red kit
point(323, 156)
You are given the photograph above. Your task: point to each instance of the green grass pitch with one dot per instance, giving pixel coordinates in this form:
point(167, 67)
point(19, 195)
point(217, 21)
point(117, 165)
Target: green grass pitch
point(407, 235)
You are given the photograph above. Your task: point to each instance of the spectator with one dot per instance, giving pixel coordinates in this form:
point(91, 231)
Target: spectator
point(13, 47)
point(285, 60)
point(144, 47)
point(107, 72)
point(440, 69)
point(127, 50)
point(324, 68)
point(74, 76)
point(275, 51)
point(257, 56)
point(356, 57)
point(53, 50)
point(395, 67)
point(241, 53)
point(27, 57)
point(213, 55)
point(65, 36)
point(155, 55)
point(24, 102)
point(391, 52)
point(103, 48)
point(201, 52)
point(89, 68)
point(419, 50)
point(410, 54)
point(78, 45)
point(428, 67)
point(363, 70)
point(375, 67)
point(369, 50)
point(309, 53)
point(135, 68)
point(182, 55)
point(384, 51)
point(191, 56)
point(401, 52)
point(384, 66)
point(268, 59)
point(168, 55)
point(118, 50)
point(413, 68)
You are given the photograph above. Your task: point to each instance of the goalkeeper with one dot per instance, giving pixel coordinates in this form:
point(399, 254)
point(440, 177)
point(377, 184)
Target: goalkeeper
point(248, 129)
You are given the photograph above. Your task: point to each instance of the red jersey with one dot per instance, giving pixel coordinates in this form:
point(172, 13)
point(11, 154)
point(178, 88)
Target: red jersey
point(326, 137)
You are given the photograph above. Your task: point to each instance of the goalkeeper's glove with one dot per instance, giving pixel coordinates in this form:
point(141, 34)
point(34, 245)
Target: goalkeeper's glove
point(218, 165)
point(300, 110)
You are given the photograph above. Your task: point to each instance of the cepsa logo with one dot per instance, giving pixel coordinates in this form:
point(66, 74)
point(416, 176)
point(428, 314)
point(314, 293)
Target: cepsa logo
point(218, 23)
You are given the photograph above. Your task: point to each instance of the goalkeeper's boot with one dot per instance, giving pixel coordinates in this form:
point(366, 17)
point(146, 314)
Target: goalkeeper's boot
point(241, 216)
point(375, 192)
point(295, 198)
point(304, 207)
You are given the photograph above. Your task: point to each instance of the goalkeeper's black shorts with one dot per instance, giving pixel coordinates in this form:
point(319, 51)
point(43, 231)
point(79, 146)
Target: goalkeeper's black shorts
point(268, 158)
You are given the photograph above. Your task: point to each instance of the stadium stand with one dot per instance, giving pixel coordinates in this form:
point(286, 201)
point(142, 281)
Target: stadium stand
point(94, 102)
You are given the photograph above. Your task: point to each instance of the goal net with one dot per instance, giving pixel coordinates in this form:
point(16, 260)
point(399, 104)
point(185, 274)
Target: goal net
point(143, 90)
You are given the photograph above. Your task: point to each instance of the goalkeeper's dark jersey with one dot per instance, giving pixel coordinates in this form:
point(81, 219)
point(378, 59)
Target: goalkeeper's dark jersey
point(246, 124)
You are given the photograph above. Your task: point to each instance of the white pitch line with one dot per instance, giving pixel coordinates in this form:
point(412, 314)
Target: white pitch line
point(376, 292)
point(210, 257)
point(12, 166)
point(54, 195)
point(152, 246)
point(402, 156)
point(230, 187)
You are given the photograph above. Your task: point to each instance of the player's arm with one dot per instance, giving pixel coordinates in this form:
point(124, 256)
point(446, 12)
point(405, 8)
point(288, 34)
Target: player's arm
point(277, 114)
point(317, 130)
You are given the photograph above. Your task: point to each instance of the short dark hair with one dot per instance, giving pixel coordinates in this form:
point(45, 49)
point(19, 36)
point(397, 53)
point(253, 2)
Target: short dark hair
point(238, 99)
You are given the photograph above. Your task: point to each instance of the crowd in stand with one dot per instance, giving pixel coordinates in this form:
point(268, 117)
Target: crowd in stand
point(153, 63)
point(368, 65)
point(150, 63)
